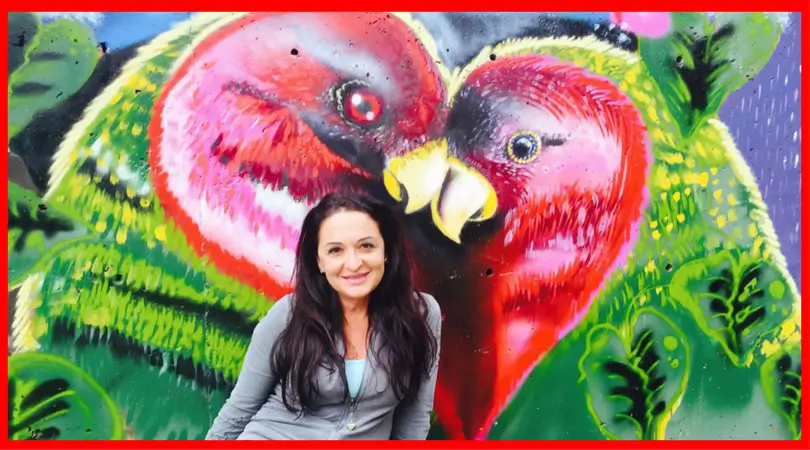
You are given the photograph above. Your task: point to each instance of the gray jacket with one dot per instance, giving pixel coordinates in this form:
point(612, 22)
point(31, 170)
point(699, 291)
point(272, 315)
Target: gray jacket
point(254, 409)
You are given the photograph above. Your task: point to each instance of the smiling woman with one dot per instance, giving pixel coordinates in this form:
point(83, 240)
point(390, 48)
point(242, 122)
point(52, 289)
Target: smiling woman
point(351, 255)
point(353, 353)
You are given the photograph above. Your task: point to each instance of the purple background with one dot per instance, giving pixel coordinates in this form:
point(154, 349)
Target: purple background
point(764, 116)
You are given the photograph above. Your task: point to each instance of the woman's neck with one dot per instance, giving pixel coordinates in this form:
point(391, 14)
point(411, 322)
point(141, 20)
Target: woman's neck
point(354, 308)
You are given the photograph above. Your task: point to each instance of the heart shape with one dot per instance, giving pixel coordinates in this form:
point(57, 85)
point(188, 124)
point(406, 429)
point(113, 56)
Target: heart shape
point(238, 158)
point(566, 154)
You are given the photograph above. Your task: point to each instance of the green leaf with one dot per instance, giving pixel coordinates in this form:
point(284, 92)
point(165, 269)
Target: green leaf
point(736, 298)
point(436, 432)
point(782, 385)
point(50, 398)
point(636, 376)
point(550, 404)
point(57, 63)
point(699, 63)
point(752, 38)
point(37, 231)
point(22, 27)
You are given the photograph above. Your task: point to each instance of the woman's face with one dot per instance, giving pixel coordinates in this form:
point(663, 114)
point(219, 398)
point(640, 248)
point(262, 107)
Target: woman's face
point(351, 253)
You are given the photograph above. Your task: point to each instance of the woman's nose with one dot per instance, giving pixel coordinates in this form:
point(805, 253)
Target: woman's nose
point(353, 261)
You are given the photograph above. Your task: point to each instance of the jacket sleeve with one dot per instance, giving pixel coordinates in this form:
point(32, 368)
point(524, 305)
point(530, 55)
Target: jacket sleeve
point(412, 421)
point(256, 379)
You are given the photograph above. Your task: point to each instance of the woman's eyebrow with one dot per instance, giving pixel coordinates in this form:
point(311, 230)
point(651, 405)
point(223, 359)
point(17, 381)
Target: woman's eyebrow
point(367, 238)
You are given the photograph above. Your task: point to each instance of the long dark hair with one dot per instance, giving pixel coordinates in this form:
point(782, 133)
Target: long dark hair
point(397, 313)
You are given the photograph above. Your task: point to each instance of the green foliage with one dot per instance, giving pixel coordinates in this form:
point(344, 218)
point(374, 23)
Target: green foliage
point(693, 161)
point(22, 26)
point(183, 410)
point(138, 285)
point(550, 404)
point(737, 298)
point(700, 62)
point(782, 384)
point(145, 304)
point(636, 375)
point(57, 62)
point(36, 230)
point(50, 398)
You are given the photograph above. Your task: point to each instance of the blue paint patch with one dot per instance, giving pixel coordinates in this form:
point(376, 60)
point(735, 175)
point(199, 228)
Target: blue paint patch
point(124, 29)
point(121, 29)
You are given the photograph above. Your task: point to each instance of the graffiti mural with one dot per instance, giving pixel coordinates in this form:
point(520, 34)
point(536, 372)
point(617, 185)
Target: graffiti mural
point(586, 195)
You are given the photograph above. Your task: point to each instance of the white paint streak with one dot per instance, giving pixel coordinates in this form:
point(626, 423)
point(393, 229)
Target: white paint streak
point(90, 18)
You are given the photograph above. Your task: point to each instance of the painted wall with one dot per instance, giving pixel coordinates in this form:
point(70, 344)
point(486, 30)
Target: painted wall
point(605, 205)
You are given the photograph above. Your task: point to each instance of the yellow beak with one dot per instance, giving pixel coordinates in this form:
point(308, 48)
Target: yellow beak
point(457, 193)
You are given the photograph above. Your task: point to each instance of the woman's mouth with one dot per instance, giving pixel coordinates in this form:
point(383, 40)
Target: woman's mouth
point(355, 279)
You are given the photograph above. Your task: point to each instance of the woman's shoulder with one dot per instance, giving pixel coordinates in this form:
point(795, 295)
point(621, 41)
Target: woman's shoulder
point(434, 310)
point(432, 303)
point(276, 317)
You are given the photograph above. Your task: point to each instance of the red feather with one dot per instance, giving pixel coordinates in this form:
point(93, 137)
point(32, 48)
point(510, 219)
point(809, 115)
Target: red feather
point(228, 138)
point(524, 303)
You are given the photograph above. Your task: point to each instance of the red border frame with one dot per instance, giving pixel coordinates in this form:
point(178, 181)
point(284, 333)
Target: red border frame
point(801, 6)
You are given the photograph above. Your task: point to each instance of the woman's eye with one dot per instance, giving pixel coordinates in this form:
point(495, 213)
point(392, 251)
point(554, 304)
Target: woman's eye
point(333, 250)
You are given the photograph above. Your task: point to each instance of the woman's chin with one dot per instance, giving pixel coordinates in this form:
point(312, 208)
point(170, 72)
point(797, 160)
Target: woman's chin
point(356, 291)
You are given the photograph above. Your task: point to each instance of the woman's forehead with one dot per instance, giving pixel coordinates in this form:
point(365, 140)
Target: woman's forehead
point(348, 227)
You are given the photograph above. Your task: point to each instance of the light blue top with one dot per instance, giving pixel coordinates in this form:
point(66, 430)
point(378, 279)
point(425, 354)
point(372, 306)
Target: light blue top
point(354, 374)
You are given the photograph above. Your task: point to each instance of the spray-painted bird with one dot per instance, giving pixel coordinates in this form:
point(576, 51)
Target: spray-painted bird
point(191, 173)
point(564, 155)
point(273, 111)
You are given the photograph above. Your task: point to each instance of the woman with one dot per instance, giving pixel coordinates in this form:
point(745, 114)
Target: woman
point(352, 353)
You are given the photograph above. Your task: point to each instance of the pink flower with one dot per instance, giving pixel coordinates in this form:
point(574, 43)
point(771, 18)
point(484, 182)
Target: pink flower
point(647, 24)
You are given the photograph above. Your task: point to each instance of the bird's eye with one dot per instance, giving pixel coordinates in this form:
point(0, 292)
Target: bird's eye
point(523, 147)
point(359, 104)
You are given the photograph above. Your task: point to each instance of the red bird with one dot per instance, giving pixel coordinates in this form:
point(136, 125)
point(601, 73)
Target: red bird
point(562, 155)
point(273, 111)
